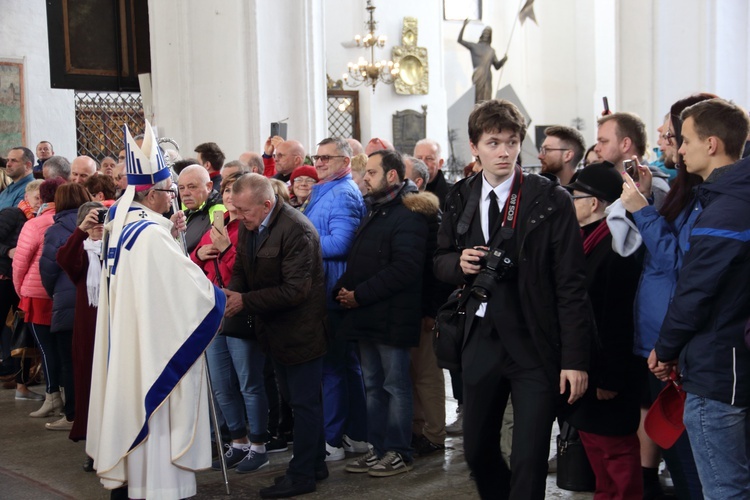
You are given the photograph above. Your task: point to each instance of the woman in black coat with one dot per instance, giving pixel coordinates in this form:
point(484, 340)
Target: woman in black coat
point(59, 340)
point(607, 416)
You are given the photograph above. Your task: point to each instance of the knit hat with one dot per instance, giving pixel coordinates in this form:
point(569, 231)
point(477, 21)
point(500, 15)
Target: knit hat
point(599, 179)
point(304, 171)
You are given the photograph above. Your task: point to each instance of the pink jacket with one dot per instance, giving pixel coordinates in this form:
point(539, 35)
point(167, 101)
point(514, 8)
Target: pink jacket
point(26, 277)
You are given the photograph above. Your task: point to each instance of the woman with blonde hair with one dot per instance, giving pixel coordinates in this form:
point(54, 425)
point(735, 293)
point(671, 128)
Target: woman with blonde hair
point(359, 163)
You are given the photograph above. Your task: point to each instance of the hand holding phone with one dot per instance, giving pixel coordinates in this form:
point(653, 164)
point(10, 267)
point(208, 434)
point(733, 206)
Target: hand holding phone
point(219, 220)
point(605, 102)
point(631, 167)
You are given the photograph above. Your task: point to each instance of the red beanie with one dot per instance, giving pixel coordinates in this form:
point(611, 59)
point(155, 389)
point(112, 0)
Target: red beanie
point(306, 171)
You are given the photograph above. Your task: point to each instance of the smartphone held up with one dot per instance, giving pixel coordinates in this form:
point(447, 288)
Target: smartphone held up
point(631, 167)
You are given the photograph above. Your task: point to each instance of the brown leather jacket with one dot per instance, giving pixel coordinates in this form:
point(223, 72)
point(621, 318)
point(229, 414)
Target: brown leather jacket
point(283, 287)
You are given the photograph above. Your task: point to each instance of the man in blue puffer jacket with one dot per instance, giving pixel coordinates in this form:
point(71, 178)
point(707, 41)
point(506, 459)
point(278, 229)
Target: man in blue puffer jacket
point(336, 208)
point(705, 322)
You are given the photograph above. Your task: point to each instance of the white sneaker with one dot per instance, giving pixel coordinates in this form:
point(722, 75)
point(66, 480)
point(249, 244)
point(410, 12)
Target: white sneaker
point(457, 427)
point(353, 446)
point(334, 454)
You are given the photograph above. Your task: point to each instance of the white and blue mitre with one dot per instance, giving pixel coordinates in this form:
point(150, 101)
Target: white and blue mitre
point(145, 167)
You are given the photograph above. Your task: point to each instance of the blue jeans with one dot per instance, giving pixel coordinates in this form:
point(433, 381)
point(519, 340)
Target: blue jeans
point(390, 406)
point(344, 405)
point(720, 437)
point(229, 357)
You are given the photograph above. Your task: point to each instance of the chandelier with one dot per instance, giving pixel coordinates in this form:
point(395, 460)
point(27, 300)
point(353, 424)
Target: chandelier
point(370, 73)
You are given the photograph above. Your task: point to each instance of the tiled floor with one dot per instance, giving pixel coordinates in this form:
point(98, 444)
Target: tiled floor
point(38, 464)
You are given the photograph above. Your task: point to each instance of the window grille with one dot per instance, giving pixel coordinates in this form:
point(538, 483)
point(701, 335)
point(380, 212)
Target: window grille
point(343, 113)
point(99, 120)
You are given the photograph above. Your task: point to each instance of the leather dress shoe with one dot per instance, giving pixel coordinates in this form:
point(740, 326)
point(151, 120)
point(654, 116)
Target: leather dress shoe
point(320, 475)
point(288, 488)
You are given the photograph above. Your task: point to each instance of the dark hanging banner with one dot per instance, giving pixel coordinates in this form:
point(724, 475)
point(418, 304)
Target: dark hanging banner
point(98, 44)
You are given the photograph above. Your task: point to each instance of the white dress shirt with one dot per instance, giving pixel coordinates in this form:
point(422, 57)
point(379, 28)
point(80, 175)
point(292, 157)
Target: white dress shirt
point(502, 191)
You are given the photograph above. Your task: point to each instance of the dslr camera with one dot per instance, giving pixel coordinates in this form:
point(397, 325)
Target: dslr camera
point(496, 266)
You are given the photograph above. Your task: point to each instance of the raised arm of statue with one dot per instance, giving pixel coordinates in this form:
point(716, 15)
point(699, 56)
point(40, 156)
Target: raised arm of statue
point(461, 35)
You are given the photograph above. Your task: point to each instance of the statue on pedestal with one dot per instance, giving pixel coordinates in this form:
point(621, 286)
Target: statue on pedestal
point(483, 57)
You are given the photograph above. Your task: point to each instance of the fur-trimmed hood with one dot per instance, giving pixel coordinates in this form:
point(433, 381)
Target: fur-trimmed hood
point(424, 203)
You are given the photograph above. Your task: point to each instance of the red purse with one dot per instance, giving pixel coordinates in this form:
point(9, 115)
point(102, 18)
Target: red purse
point(663, 422)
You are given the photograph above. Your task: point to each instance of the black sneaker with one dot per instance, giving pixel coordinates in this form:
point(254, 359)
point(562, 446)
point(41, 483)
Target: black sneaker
point(276, 445)
point(233, 456)
point(287, 436)
point(424, 446)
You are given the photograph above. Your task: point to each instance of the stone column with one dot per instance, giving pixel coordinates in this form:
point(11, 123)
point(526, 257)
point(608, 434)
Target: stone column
point(222, 71)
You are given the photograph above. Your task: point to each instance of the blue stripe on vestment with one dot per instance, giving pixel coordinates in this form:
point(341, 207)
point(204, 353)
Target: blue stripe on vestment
point(133, 227)
point(113, 211)
point(134, 235)
point(182, 361)
point(743, 236)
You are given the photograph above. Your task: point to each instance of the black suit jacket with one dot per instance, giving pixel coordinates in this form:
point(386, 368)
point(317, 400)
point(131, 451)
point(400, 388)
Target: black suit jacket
point(551, 274)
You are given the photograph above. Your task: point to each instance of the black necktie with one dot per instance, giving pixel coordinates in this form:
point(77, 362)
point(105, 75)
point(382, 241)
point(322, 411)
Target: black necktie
point(494, 214)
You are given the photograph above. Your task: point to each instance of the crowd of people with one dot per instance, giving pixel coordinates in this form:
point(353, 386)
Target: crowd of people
point(584, 289)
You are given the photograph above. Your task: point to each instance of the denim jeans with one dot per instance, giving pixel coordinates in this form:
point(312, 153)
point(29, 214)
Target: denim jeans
point(389, 398)
point(720, 437)
point(344, 404)
point(227, 357)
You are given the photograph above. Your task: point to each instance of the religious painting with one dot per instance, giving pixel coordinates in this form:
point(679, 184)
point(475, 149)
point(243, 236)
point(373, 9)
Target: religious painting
point(12, 106)
point(458, 10)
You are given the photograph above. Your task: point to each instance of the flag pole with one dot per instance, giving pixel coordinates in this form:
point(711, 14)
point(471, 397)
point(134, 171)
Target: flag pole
point(510, 39)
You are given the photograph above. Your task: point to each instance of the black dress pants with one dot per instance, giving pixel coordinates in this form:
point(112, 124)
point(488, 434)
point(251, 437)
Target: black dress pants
point(490, 376)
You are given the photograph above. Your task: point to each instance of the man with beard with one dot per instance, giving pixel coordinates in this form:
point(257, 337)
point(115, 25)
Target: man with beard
point(561, 152)
point(381, 290)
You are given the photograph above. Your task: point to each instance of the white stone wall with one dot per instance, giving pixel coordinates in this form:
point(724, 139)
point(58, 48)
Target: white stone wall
point(346, 18)
point(222, 71)
point(50, 113)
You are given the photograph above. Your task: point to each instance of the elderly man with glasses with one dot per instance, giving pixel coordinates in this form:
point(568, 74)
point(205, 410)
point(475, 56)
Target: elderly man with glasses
point(288, 156)
point(336, 208)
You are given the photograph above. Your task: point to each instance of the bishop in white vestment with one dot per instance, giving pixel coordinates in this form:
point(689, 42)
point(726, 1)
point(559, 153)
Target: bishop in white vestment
point(148, 418)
